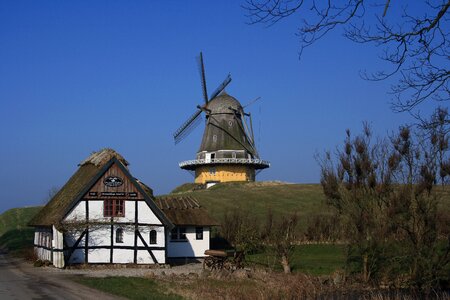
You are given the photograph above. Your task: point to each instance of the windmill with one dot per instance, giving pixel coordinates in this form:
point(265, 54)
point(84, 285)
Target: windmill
point(227, 151)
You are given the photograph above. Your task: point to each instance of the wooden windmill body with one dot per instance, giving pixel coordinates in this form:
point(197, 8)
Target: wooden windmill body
point(227, 152)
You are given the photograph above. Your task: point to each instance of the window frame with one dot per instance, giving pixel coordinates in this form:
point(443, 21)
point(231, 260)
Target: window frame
point(153, 240)
point(119, 237)
point(199, 233)
point(113, 208)
point(178, 234)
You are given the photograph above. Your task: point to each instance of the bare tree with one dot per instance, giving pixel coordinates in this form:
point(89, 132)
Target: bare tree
point(385, 193)
point(51, 193)
point(414, 43)
point(280, 234)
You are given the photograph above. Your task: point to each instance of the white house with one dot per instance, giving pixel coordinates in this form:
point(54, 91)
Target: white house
point(104, 215)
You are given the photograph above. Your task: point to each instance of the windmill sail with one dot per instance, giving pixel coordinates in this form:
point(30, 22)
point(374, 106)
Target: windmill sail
point(187, 126)
point(221, 87)
point(201, 68)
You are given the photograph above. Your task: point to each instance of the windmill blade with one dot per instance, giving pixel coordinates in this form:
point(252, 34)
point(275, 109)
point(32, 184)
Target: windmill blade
point(248, 134)
point(251, 102)
point(221, 87)
point(201, 68)
point(187, 126)
point(251, 128)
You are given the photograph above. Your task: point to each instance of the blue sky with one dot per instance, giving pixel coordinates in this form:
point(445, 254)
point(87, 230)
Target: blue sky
point(78, 76)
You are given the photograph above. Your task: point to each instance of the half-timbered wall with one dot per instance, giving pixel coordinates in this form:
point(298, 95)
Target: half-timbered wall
point(91, 236)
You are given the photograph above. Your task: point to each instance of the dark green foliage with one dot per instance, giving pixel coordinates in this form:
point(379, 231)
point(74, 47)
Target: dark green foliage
point(17, 241)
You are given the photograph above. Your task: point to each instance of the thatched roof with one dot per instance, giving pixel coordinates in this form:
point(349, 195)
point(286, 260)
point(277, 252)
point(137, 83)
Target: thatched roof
point(101, 157)
point(184, 211)
point(90, 170)
point(54, 211)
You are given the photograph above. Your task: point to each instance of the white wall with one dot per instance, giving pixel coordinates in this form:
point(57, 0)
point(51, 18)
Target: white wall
point(58, 247)
point(192, 247)
point(43, 242)
point(145, 214)
point(100, 235)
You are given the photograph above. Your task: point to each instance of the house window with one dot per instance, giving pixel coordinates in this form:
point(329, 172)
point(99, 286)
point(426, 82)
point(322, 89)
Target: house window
point(113, 208)
point(199, 233)
point(212, 171)
point(119, 235)
point(152, 237)
point(178, 234)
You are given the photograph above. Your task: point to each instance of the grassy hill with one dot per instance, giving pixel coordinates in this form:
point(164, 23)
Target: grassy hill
point(307, 200)
point(14, 233)
point(17, 218)
point(258, 197)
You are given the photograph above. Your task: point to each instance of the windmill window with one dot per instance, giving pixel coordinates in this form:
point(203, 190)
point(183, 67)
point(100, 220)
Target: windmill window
point(199, 233)
point(152, 237)
point(234, 154)
point(119, 235)
point(113, 208)
point(243, 138)
point(230, 123)
point(213, 155)
point(214, 138)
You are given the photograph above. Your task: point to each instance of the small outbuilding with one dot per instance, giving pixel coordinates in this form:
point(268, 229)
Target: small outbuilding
point(103, 215)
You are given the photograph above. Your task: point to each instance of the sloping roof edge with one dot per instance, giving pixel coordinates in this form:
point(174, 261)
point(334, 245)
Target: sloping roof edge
point(148, 198)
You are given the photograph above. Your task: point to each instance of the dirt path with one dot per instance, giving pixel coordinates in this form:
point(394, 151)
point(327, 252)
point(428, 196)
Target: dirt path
point(20, 280)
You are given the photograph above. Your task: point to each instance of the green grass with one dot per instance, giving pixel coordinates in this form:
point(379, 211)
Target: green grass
point(15, 235)
point(259, 197)
point(321, 259)
point(17, 218)
point(307, 200)
point(130, 287)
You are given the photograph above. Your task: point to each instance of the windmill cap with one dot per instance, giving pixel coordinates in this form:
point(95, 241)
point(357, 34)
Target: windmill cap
point(222, 103)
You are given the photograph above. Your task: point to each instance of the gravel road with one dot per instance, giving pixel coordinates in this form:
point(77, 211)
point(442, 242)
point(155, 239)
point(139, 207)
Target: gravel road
point(20, 280)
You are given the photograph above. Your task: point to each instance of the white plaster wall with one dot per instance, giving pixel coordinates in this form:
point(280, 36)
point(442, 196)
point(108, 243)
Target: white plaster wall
point(98, 255)
point(96, 211)
point(57, 244)
point(43, 237)
point(129, 212)
point(128, 235)
point(146, 215)
point(145, 258)
point(72, 236)
point(78, 213)
point(100, 236)
point(145, 232)
point(123, 256)
point(192, 247)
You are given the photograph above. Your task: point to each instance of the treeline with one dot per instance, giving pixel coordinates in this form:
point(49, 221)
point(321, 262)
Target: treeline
point(385, 193)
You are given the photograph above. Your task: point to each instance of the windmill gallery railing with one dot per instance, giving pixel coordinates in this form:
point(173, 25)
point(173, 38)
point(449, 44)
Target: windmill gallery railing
point(245, 161)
